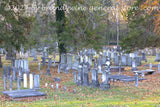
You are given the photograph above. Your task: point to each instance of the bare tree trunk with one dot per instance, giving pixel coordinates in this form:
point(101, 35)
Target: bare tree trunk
point(1, 62)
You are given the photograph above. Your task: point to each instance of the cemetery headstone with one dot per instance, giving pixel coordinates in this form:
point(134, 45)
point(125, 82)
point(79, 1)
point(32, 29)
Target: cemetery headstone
point(8, 71)
point(136, 79)
point(25, 80)
point(150, 66)
point(157, 57)
point(4, 71)
point(95, 82)
point(105, 81)
point(159, 67)
point(134, 65)
point(31, 81)
point(36, 82)
point(5, 82)
point(18, 83)
point(14, 73)
point(75, 76)
point(10, 83)
point(79, 81)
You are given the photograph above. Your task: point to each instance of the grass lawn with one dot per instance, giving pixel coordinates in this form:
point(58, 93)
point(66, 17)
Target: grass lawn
point(147, 94)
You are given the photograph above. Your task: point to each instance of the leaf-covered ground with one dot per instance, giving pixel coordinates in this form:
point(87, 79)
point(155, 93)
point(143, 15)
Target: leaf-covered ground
point(120, 95)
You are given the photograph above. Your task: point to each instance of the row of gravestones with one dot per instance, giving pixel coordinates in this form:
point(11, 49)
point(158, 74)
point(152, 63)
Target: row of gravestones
point(83, 78)
point(34, 81)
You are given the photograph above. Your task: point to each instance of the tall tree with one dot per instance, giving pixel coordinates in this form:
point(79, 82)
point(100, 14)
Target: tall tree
point(14, 25)
point(141, 32)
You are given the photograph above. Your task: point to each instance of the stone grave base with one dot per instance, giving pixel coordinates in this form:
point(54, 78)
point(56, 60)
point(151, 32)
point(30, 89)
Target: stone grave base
point(24, 95)
point(25, 98)
point(153, 65)
point(145, 72)
point(116, 68)
point(124, 78)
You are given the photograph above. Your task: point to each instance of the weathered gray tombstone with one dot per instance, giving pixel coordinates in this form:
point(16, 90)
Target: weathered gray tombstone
point(134, 65)
point(8, 71)
point(20, 74)
point(4, 71)
point(75, 76)
point(54, 59)
point(63, 59)
point(144, 57)
point(5, 82)
point(32, 53)
point(59, 70)
point(49, 62)
point(95, 82)
point(26, 66)
point(124, 60)
point(39, 66)
point(81, 59)
point(69, 61)
point(10, 83)
point(157, 58)
point(138, 60)
point(85, 75)
point(105, 81)
point(14, 73)
point(79, 81)
point(136, 79)
point(159, 67)
point(129, 60)
point(36, 82)
point(43, 61)
point(153, 52)
point(26, 55)
point(76, 62)
point(99, 66)
point(35, 56)
point(95, 64)
point(104, 57)
point(150, 66)
point(45, 52)
point(18, 83)
point(116, 60)
point(48, 71)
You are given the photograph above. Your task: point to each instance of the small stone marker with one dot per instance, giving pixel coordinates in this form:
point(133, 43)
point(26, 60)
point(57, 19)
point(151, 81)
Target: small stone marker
point(5, 83)
point(18, 83)
point(75, 76)
point(36, 81)
point(31, 81)
point(159, 67)
point(14, 73)
point(8, 71)
point(56, 79)
point(57, 86)
point(10, 83)
point(136, 79)
point(25, 80)
point(4, 71)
